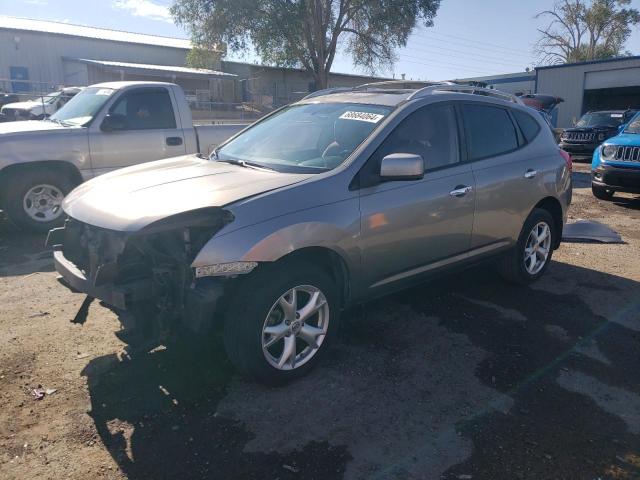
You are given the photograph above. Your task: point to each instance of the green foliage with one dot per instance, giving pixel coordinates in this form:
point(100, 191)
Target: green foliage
point(202, 58)
point(578, 31)
point(307, 33)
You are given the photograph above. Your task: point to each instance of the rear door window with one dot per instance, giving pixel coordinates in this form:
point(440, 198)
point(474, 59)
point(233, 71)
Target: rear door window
point(489, 131)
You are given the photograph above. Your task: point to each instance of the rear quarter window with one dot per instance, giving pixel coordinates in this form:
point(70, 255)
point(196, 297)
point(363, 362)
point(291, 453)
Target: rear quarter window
point(528, 125)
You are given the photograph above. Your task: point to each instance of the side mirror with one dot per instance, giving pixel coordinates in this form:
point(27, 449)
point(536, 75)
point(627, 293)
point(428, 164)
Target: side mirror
point(113, 122)
point(402, 166)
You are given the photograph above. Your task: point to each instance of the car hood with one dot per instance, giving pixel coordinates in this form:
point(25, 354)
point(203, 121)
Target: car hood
point(625, 140)
point(30, 126)
point(23, 105)
point(595, 128)
point(133, 198)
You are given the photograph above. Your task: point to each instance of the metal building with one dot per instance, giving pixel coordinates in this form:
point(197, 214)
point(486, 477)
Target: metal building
point(38, 56)
point(597, 85)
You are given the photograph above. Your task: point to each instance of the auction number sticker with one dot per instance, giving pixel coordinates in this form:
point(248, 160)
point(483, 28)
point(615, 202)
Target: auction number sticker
point(616, 115)
point(362, 116)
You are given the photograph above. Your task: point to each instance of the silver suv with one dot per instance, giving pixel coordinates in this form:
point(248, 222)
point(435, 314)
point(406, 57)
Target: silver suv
point(341, 197)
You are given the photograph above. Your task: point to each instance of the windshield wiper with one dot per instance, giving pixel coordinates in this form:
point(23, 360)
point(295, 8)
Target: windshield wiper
point(244, 163)
point(59, 122)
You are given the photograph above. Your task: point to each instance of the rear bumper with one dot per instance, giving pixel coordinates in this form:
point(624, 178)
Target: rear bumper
point(617, 178)
point(120, 296)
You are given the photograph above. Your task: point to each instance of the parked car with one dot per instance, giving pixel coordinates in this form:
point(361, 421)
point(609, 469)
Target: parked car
point(4, 99)
point(545, 105)
point(333, 200)
point(616, 164)
point(592, 129)
point(39, 107)
point(105, 127)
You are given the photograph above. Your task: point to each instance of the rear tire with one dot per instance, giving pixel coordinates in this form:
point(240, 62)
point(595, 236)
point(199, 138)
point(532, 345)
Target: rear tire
point(602, 193)
point(258, 315)
point(518, 265)
point(32, 198)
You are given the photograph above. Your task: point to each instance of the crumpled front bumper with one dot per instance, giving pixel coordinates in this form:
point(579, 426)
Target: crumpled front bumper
point(121, 296)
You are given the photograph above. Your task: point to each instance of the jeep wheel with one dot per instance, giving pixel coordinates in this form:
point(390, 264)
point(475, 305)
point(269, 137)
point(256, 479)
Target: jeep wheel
point(602, 193)
point(32, 198)
point(531, 256)
point(283, 328)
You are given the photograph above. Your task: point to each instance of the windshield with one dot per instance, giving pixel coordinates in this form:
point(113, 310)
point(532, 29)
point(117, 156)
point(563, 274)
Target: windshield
point(634, 125)
point(601, 119)
point(49, 98)
point(305, 138)
point(81, 109)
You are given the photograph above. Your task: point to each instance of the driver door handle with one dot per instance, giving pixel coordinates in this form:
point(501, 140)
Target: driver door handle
point(530, 173)
point(460, 191)
point(174, 141)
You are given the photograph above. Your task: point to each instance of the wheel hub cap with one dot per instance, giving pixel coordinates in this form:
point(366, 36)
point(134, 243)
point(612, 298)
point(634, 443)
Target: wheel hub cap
point(42, 203)
point(538, 246)
point(295, 327)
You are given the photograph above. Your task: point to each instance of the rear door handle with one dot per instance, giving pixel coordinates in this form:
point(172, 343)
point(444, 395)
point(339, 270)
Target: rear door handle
point(530, 173)
point(174, 141)
point(460, 191)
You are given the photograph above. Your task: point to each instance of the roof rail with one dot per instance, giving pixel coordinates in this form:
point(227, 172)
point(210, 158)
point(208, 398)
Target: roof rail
point(328, 91)
point(389, 84)
point(452, 87)
point(400, 84)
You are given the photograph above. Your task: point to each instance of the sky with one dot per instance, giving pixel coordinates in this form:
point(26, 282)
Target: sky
point(470, 38)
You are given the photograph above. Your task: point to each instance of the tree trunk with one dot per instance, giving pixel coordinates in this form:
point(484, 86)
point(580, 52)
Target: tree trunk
point(321, 79)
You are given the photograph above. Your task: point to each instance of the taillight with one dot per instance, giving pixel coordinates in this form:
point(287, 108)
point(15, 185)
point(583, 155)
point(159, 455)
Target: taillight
point(567, 159)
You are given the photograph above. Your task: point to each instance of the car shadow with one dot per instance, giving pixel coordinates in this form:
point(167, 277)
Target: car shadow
point(22, 253)
point(632, 203)
point(463, 376)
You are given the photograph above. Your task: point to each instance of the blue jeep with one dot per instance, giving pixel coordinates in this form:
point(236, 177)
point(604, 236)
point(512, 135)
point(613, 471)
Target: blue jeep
point(616, 163)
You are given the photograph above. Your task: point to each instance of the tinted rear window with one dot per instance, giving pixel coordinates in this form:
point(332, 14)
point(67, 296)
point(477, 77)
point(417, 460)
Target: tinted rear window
point(528, 125)
point(489, 131)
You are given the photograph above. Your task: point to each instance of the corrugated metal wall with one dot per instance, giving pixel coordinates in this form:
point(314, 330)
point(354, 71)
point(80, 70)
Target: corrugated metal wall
point(568, 82)
point(42, 54)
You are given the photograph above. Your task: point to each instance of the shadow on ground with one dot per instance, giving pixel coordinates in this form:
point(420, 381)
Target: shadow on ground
point(466, 376)
point(22, 253)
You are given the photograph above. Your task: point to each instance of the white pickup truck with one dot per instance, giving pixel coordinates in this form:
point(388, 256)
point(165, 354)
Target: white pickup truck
point(105, 127)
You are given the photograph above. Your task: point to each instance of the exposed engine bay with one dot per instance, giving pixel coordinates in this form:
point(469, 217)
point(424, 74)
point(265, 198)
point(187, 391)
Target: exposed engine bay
point(145, 274)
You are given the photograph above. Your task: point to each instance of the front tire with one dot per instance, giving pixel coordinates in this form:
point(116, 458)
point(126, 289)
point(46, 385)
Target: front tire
point(281, 320)
point(602, 193)
point(530, 258)
point(32, 198)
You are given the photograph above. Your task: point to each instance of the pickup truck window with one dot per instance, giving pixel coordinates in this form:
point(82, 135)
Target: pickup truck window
point(305, 138)
point(81, 109)
point(145, 109)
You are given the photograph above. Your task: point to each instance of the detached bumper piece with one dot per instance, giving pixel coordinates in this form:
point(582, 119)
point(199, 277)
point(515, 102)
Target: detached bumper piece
point(619, 179)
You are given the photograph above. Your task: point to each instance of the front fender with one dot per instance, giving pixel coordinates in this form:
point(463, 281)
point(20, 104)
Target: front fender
point(335, 227)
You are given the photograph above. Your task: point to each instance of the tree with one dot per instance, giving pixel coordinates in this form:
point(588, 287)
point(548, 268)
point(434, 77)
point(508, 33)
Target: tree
point(306, 33)
point(580, 32)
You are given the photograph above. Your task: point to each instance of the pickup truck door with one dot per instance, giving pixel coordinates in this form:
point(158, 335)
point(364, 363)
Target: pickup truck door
point(412, 226)
point(146, 129)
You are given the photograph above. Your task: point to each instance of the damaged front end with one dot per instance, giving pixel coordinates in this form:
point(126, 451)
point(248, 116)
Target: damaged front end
point(147, 273)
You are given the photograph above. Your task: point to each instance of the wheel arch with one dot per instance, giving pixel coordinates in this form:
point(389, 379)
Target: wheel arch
point(553, 206)
point(328, 260)
point(67, 168)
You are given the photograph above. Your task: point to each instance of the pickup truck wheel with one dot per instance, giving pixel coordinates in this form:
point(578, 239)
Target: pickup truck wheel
point(531, 256)
point(281, 331)
point(602, 193)
point(32, 198)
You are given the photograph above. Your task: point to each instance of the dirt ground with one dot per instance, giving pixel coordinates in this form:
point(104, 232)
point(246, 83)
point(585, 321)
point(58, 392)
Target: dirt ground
point(463, 378)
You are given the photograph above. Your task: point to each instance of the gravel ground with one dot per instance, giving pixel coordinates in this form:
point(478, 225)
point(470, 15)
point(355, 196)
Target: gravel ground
point(463, 378)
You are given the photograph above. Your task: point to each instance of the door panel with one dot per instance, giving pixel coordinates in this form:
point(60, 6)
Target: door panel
point(147, 130)
point(406, 225)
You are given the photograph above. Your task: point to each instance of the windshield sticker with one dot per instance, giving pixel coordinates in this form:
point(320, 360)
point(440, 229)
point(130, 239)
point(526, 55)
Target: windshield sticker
point(616, 115)
point(104, 91)
point(362, 116)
